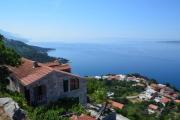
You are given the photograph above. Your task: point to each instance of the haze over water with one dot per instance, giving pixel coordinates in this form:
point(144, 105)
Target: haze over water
point(158, 60)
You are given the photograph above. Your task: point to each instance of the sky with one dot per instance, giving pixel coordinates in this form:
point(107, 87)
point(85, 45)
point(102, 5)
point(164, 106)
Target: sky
point(58, 20)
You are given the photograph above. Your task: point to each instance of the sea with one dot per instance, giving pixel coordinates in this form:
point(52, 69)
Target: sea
point(158, 60)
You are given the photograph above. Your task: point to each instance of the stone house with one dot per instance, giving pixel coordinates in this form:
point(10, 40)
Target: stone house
point(43, 83)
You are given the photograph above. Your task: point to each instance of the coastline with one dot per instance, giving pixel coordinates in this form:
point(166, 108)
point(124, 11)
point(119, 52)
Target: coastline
point(148, 59)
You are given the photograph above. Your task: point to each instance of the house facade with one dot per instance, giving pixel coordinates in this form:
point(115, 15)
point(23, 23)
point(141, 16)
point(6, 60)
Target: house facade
point(43, 83)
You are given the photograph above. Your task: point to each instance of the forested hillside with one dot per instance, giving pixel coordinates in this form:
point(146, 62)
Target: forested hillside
point(31, 52)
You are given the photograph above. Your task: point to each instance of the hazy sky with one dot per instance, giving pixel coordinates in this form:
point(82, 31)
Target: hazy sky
point(56, 20)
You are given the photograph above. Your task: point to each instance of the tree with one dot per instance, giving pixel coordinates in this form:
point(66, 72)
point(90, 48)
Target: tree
point(7, 57)
point(178, 106)
point(97, 90)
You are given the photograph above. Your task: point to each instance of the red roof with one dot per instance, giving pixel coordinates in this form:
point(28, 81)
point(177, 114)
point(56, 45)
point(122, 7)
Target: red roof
point(27, 74)
point(177, 101)
point(56, 65)
point(116, 104)
point(112, 78)
point(53, 63)
point(63, 67)
point(82, 117)
point(165, 100)
point(153, 107)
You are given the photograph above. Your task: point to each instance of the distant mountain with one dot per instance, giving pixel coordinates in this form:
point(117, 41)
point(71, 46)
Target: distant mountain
point(31, 52)
point(13, 36)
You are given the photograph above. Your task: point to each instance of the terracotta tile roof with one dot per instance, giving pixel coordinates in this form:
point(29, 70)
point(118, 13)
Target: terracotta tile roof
point(82, 117)
point(112, 78)
point(165, 100)
point(116, 104)
point(27, 74)
point(153, 107)
point(53, 63)
point(177, 101)
point(24, 69)
point(41, 72)
point(62, 67)
point(56, 65)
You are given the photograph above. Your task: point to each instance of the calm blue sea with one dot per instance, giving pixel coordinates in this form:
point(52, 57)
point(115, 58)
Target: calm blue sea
point(158, 60)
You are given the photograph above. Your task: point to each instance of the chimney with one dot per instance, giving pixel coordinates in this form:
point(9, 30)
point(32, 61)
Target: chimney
point(35, 64)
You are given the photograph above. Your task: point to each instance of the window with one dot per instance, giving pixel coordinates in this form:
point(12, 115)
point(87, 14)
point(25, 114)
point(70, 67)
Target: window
point(74, 83)
point(39, 92)
point(65, 85)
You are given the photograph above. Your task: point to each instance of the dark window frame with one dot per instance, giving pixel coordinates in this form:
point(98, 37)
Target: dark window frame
point(74, 84)
point(39, 92)
point(65, 85)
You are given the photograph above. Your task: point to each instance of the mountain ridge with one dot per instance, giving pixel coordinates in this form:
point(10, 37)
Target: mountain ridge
point(34, 53)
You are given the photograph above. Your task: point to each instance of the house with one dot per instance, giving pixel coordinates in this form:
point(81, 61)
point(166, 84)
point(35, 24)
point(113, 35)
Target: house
point(177, 101)
point(161, 85)
point(43, 83)
point(105, 77)
point(121, 77)
point(148, 94)
point(116, 104)
point(152, 108)
point(82, 117)
point(98, 77)
point(145, 96)
point(165, 100)
point(155, 87)
point(113, 77)
point(157, 99)
point(167, 91)
point(131, 78)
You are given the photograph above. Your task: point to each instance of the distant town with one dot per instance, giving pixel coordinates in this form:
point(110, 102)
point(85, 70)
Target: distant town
point(156, 97)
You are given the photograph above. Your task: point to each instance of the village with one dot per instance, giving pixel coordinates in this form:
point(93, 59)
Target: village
point(157, 95)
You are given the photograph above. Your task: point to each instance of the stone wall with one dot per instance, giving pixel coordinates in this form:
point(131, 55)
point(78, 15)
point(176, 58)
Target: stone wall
point(54, 87)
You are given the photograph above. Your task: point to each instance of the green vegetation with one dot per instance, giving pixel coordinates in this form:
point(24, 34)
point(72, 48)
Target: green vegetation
point(7, 57)
point(123, 88)
point(57, 111)
point(96, 90)
point(31, 52)
point(170, 112)
point(52, 111)
point(131, 110)
point(137, 111)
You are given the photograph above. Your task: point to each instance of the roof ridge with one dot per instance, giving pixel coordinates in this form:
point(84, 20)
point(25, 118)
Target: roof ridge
point(34, 74)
